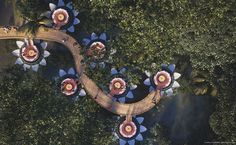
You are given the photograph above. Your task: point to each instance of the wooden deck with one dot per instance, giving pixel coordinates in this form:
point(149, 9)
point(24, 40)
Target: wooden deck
point(92, 89)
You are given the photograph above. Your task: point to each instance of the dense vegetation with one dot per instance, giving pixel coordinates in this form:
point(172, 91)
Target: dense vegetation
point(33, 113)
point(199, 36)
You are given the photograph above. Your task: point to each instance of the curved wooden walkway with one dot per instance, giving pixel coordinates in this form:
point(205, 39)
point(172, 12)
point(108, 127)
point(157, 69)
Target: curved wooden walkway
point(92, 89)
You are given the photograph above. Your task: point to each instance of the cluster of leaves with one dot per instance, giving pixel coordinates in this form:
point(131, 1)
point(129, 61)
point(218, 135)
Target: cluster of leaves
point(31, 13)
point(32, 113)
point(31, 10)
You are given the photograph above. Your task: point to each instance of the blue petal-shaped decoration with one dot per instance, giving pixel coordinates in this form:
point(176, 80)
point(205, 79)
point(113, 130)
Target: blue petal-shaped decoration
point(164, 66)
point(151, 89)
point(93, 64)
point(103, 36)
point(19, 61)
point(86, 41)
point(176, 84)
point(26, 66)
point(76, 21)
point(131, 142)
point(142, 128)
point(71, 71)
point(147, 82)
point(82, 93)
point(35, 67)
point(130, 95)
point(43, 62)
point(114, 71)
point(140, 119)
point(69, 5)
point(52, 6)
point(169, 92)
point(122, 100)
point(171, 68)
point(61, 3)
point(62, 73)
point(71, 29)
point(123, 70)
point(122, 142)
point(132, 87)
point(75, 13)
point(139, 137)
point(94, 36)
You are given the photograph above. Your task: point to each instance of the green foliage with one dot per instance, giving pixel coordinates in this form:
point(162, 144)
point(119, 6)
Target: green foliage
point(156, 136)
point(146, 32)
point(222, 120)
point(149, 33)
point(31, 10)
point(32, 113)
